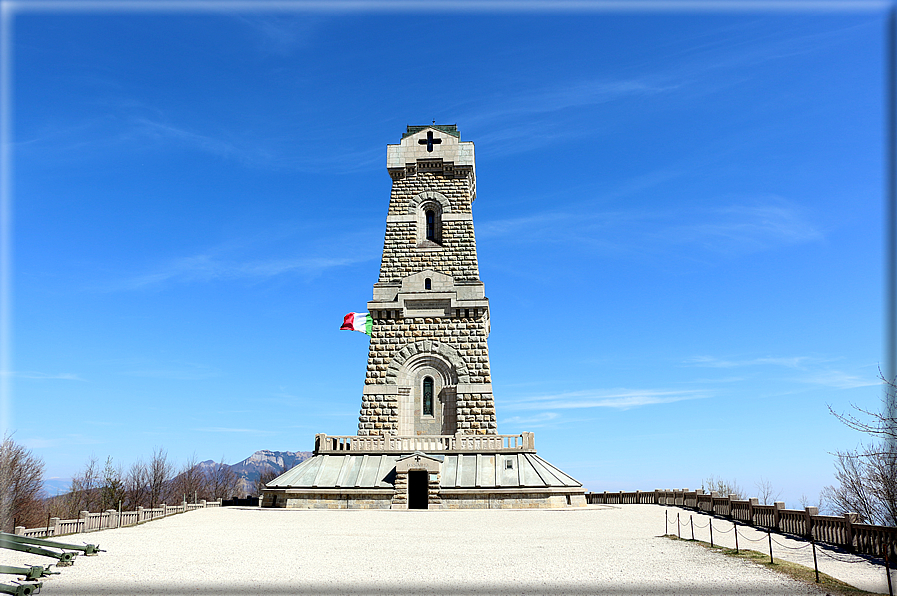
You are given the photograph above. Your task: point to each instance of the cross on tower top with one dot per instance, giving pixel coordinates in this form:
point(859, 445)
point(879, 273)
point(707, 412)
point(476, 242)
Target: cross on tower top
point(429, 141)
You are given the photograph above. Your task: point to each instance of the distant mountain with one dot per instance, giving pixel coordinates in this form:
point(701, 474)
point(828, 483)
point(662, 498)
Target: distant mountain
point(250, 469)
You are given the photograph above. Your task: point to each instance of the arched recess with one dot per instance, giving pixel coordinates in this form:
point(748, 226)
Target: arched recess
point(428, 208)
point(410, 368)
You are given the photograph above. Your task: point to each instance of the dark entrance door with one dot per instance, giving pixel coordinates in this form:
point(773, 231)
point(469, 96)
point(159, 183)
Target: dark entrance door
point(417, 489)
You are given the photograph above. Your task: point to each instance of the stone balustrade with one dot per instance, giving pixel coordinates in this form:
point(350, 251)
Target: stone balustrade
point(521, 443)
point(91, 522)
point(841, 530)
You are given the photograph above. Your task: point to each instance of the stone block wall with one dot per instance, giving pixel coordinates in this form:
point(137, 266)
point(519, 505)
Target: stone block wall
point(461, 341)
point(457, 253)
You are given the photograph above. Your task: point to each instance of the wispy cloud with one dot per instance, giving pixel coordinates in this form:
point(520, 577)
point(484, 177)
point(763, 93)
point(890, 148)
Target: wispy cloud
point(622, 399)
point(536, 421)
point(788, 361)
point(206, 268)
point(734, 229)
point(839, 380)
point(25, 374)
point(279, 34)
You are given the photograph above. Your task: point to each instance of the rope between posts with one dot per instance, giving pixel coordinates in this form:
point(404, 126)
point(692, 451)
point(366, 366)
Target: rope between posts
point(807, 545)
point(702, 527)
point(750, 539)
point(726, 531)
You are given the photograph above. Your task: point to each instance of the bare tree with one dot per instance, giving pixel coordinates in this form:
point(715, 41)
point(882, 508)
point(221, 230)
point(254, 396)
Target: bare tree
point(137, 485)
point(867, 476)
point(766, 493)
point(222, 481)
point(83, 495)
point(818, 504)
point(160, 471)
point(21, 486)
point(269, 474)
point(723, 487)
point(192, 482)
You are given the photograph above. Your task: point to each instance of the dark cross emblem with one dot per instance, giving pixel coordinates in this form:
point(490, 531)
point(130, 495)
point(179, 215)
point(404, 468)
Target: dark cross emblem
point(429, 142)
point(417, 458)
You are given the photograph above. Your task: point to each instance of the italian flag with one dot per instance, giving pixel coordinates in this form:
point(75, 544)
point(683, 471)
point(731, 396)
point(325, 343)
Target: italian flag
point(358, 321)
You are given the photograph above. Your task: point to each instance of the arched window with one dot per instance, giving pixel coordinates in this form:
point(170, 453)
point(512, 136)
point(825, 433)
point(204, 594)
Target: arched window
point(428, 285)
point(431, 225)
point(428, 397)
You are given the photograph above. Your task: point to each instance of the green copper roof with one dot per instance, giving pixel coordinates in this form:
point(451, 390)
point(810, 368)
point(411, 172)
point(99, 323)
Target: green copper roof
point(451, 129)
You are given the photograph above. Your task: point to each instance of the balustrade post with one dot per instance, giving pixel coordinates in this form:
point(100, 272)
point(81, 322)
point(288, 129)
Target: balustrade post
point(713, 495)
point(85, 518)
point(20, 530)
point(140, 514)
point(54, 523)
point(657, 497)
point(777, 516)
point(111, 518)
point(849, 520)
point(751, 502)
point(731, 509)
point(203, 503)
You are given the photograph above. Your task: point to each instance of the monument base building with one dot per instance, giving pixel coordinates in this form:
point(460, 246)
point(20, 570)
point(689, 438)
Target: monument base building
point(427, 433)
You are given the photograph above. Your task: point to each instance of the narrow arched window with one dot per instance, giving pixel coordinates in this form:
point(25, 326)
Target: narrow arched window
point(428, 285)
point(431, 226)
point(428, 397)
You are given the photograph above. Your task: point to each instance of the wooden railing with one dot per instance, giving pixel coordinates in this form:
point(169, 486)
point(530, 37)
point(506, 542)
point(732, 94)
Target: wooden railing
point(91, 522)
point(841, 530)
point(426, 443)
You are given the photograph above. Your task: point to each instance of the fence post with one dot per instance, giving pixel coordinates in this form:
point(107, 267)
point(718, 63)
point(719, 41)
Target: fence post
point(751, 502)
point(776, 514)
point(140, 513)
point(731, 498)
point(657, 497)
point(110, 517)
point(621, 498)
point(85, 517)
point(203, 503)
point(54, 523)
point(20, 530)
point(713, 495)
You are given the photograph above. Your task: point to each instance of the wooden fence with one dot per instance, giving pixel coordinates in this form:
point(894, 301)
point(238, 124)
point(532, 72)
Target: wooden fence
point(840, 530)
point(91, 522)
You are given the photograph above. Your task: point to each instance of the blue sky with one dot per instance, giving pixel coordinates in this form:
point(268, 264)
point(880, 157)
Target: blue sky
point(679, 222)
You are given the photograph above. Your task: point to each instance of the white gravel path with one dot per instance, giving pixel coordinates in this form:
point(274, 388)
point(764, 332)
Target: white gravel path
point(599, 550)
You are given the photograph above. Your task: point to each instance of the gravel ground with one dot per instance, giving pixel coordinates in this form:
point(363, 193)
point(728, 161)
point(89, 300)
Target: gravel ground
point(599, 550)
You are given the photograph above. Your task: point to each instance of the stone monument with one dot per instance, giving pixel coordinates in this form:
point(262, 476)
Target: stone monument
point(427, 433)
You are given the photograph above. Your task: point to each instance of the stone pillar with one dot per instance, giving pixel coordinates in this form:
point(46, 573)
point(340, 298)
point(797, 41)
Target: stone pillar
point(849, 520)
point(400, 494)
point(751, 502)
point(140, 514)
point(777, 516)
point(54, 524)
point(85, 518)
point(434, 500)
point(20, 530)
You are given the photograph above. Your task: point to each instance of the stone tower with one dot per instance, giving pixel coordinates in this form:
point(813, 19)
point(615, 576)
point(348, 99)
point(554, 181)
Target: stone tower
point(426, 435)
point(428, 364)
